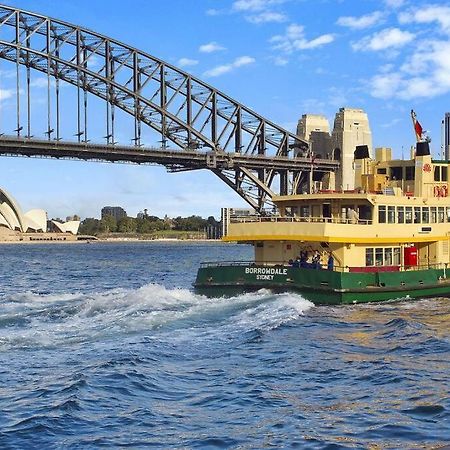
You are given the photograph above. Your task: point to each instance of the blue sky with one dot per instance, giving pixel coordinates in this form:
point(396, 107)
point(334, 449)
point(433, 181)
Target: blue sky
point(282, 58)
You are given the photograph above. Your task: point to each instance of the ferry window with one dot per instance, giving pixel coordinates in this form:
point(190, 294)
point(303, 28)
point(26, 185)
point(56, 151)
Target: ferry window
point(409, 173)
point(448, 214)
point(382, 171)
point(400, 214)
point(440, 173)
point(396, 173)
point(417, 214)
point(433, 214)
point(326, 210)
point(378, 256)
point(408, 214)
point(441, 214)
point(388, 256)
point(304, 211)
point(365, 213)
point(396, 259)
point(437, 175)
point(425, 215)
point(391, 214)
point(382, 214)
point(369, 257)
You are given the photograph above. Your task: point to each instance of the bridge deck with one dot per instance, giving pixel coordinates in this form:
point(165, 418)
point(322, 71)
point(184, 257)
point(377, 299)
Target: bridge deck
point(189, 159)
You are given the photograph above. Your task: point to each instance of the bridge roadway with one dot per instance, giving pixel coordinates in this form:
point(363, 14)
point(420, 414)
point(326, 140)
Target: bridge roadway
point(186, 159)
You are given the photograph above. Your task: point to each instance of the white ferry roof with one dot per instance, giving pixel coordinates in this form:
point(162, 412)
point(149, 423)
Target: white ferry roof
point(373, 198)
point(328, 195)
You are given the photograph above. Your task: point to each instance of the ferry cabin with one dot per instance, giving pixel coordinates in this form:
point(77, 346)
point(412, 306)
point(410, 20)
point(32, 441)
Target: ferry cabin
point(398, 218)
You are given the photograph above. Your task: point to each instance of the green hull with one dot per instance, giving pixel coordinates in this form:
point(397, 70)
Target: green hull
point(323, 286)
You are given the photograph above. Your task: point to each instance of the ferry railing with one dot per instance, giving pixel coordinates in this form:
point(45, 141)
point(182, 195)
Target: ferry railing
point(263, 219)
point(322, 266)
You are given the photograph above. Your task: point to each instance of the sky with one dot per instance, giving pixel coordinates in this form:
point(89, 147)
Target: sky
point(281, 58)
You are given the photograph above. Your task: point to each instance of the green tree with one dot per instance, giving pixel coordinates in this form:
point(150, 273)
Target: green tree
point(89, 226)
point(126, 225)
point(108, 224)
point(143, 225)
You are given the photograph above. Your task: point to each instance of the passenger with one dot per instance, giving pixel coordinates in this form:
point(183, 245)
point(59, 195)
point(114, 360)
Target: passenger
point(316, 260)
point(352, 216)
point(296, 263)
point(291, 262)
point(303, 258)
point(330, 263)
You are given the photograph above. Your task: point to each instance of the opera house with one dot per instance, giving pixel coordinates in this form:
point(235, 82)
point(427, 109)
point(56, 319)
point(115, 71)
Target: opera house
point(31, 226)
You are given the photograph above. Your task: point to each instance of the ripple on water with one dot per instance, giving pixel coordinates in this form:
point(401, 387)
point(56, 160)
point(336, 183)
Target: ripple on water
point(129, 356)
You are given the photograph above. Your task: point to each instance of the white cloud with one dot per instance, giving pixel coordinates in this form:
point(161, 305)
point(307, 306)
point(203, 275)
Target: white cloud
point(389, 38)
point(42, 82)
point(255, 5)
point(394, 3)
point(243, 61)
point(260, 11)
point(186, 62)
point(294, 39)
point(280, 61)
point(211, 47)
point(359, 23)
point(214, 12)
point(423, 75)
point(267, 16)
point(6, 93)
point(225, 68)
point(429, 14)
point(385, 85)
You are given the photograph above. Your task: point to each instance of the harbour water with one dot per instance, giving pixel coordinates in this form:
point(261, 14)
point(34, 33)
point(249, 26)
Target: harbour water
point(106, 345)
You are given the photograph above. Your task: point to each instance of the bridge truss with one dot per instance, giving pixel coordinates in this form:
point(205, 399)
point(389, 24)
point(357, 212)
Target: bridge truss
point(208, 129)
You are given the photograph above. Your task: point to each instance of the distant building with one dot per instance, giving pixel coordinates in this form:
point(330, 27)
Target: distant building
point(12, 217)
point(115, 211)
point(351, 130)
point(32, 225)
point(75, 217)
point(312, 122)
point(234, 213)
point(315, 129)
point(447, 136)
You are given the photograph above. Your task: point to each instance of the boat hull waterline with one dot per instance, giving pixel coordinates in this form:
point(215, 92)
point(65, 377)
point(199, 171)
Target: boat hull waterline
point(323, 286)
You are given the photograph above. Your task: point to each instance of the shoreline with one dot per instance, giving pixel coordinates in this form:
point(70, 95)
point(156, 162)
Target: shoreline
point(110, 240)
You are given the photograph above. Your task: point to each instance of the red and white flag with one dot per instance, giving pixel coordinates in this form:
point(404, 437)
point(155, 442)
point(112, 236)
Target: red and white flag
point(418, 128)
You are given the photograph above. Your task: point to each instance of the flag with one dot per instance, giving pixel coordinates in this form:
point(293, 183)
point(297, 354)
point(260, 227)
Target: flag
point(418, 129)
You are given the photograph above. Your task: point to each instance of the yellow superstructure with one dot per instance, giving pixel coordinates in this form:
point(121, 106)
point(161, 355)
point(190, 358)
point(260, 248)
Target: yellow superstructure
point(397, 206)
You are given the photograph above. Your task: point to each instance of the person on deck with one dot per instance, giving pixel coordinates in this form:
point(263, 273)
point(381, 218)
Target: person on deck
point(352, 216)
point(330, 262)
point(316, 260)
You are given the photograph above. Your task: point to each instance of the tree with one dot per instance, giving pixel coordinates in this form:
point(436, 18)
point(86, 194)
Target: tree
point(108, 224)
point(126, 225)
point(89, 226)
point(212, 221)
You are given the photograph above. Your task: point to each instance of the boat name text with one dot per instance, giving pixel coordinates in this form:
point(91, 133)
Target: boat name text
point(265, 273)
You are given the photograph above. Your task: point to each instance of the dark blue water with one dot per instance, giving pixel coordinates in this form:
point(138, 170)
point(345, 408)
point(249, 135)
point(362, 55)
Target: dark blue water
point(106, 345)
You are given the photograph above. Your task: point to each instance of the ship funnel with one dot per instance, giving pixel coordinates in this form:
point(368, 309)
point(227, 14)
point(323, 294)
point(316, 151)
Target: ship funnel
point(361, 152)
point(422, 148)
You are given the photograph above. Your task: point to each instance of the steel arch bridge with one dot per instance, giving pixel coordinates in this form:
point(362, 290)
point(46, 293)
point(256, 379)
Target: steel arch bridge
point(253, 155)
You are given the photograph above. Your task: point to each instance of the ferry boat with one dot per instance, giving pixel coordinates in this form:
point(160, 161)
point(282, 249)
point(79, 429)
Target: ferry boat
point(389, 238)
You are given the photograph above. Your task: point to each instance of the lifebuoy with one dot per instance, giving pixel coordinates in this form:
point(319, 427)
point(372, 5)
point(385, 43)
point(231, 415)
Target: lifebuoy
point(444, 191)
point(437, 191)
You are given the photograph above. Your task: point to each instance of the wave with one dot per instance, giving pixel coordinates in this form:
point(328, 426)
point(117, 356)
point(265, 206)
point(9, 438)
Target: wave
point(42, 319)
